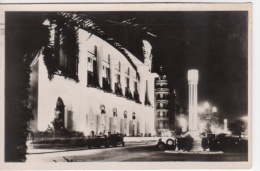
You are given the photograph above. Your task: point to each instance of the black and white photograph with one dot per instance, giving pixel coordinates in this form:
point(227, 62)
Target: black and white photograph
point(135, 84)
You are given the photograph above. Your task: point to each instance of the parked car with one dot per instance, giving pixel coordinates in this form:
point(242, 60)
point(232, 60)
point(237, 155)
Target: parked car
point(206, 139)
point(106, 141)
point(185, 143)
point(227, 143)
point(166, 143)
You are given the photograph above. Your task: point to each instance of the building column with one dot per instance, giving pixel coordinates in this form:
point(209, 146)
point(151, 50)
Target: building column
point(193, 100)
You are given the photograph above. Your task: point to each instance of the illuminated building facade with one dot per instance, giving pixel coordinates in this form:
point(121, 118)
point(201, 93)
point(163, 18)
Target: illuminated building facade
point(114, 93)
point(163, 114)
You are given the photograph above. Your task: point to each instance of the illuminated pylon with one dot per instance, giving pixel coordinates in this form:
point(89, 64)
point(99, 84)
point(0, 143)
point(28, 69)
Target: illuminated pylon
point(193, 77)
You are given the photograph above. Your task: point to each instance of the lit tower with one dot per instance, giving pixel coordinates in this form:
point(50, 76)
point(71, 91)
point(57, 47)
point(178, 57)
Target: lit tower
point(164, 120)
point(193, 77)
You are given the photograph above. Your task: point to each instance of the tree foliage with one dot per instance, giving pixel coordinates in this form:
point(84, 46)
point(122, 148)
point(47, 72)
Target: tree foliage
point(25, 37)
point(237, 127)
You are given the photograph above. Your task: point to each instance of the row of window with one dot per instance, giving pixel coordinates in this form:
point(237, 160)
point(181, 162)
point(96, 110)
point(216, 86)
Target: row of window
point(93, 80)
point(162, 105)
point(162, 124)
point(163, 114)
point(67, 65)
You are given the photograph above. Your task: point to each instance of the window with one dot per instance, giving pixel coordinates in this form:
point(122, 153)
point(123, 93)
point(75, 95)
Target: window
point(128, 71)
point(118, 68)
point(106, 79)
point(92, 69)
point(118, 88)
point(147, 101)
point(165, 124)
point(58, 122)
point(161, 105)
point(66, 52)
point(128, 93)
point(136, 93)
point(127, 82)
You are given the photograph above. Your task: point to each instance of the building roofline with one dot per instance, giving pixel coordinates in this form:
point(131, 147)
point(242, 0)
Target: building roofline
point(87, 24)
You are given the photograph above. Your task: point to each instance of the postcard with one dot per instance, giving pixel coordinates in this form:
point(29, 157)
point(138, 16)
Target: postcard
point(126, 86)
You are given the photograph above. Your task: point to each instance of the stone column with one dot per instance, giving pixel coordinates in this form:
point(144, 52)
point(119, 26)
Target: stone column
point(193, 100)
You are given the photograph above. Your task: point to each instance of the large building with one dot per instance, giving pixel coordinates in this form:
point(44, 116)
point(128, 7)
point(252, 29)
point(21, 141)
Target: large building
point(164, 116)
point(113, 93)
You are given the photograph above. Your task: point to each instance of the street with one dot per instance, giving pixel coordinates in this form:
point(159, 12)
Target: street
point(137, 152)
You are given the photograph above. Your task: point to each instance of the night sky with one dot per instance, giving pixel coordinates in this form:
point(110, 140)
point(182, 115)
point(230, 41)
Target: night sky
point(215, 43)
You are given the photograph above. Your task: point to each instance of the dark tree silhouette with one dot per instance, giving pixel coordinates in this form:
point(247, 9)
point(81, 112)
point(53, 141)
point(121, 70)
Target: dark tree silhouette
point(25, 37)
point(237, 127)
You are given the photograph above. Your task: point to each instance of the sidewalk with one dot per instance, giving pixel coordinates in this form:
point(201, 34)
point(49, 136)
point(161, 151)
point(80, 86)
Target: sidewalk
point(194, 152)
point(127, 140)
point(42, 151)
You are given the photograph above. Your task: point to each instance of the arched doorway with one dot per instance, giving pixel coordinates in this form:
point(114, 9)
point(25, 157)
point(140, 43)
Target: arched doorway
point(58, 122)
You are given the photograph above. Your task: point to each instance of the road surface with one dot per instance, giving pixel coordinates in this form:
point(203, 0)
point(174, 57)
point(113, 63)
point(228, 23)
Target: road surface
point(138, 152)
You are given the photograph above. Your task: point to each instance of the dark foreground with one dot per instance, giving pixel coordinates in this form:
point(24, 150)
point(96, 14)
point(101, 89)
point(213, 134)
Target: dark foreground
point(137, 152)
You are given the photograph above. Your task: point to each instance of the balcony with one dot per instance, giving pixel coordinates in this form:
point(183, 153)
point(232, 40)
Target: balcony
point(128, 94)
point(165, 117)
point(118, 89)
point(161, 89)
point(93, 80)
point(137, 97)
point(106, 86)
point(161, 86)
point(146, 100)
point(166, 107)
point(158, 97)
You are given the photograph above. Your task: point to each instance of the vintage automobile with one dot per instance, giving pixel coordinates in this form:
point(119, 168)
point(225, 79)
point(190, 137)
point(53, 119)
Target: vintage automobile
point(185, 143)
point(106, 141)
point(228, 143)
point(166, 143)
point(206, 139)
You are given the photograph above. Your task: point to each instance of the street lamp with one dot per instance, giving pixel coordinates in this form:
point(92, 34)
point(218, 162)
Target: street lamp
point(133, 117)
point(115, 119)
point(225, 125)
point(103, 122)
point(125, 118)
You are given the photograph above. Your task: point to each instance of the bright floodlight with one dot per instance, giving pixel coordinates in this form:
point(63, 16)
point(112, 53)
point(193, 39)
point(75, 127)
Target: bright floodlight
point(206, 105)
point(214, 110)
